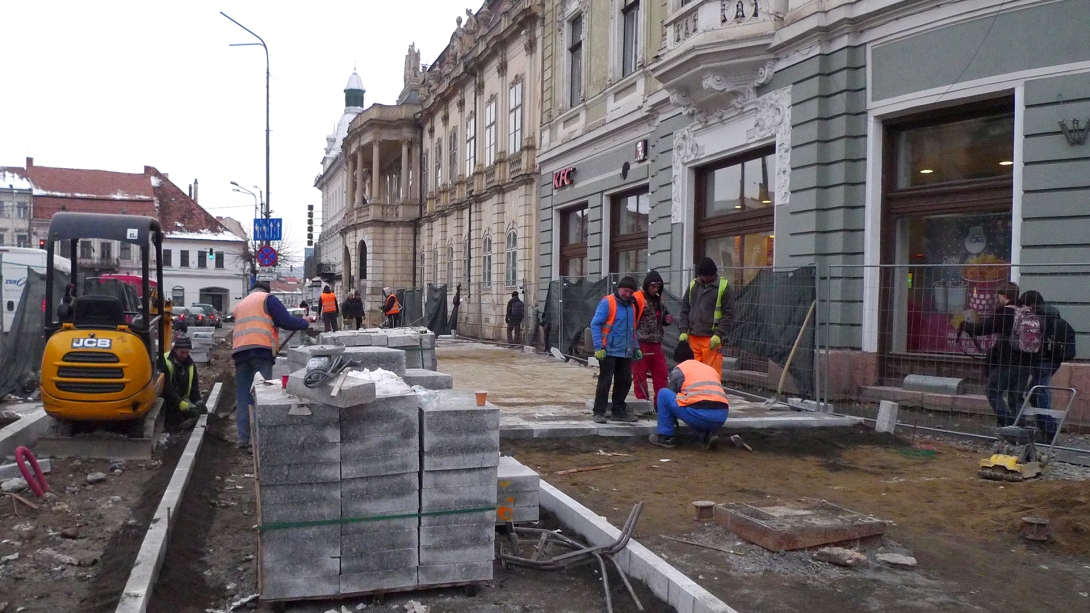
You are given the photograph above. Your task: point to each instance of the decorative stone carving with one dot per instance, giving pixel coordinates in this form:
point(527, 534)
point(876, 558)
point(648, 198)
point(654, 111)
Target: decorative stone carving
point(774, 118)
point(501, 66)
point(412, 67)
point(686, 149)
point(743, 87)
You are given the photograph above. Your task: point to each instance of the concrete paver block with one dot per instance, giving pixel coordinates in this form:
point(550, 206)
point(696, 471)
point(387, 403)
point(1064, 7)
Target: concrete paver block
point(457, 554)
point(428, 379)
point(439, 498)
point(457, 536)
point(454, 573)
point(289, 474)
point(303, 493)
point(467, 477)
point(349, 528)
point(458, 519)
point(352, 392)
point(370, 561)
point(378, 495)
point(320, 510)
point(355, 583)
point(887, 417)
point(355, 466)
point(299, 453)
point(374, 357)
point(270, 436)
point(291, 588)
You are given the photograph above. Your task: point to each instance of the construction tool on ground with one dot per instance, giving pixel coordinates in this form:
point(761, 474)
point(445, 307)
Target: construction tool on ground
point(1016, 456)
point(573, 553)
point(102, 363)
point(773, 401)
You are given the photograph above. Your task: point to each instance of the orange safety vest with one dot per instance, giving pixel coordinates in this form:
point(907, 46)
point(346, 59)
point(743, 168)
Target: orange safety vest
point(701, 383)
point(608, 325)
point(395, 308)
point(329, 302)
point(254, 327)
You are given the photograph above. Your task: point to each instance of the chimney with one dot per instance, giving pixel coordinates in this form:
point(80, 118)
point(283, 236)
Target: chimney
point(194, 196)
point(148, 171)
point(190, 190)
point(29, 162)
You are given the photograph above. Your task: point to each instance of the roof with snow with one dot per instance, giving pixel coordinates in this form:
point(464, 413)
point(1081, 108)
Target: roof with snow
point(354, 82)
point(13, 178)
point(182, 218)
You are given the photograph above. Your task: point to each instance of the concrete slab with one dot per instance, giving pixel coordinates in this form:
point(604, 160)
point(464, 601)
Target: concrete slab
point(350, 392)
point(105, 445)
point(783, 528)
point(23, 433)
point(358, 583)
point(429, 379)
point(11, 471)
point(454, 573)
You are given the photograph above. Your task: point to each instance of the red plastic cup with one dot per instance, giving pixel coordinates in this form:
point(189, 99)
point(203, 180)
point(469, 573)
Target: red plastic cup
point(284, 382)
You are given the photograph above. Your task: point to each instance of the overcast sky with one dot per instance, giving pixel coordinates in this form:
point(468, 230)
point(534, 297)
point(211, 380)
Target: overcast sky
point(118, 85)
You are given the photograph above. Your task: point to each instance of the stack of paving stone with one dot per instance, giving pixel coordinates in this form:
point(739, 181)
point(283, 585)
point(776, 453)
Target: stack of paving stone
point(518, 491)
point(459, 457)
point(417, 343)
point(360, 454)
point(202, 338)
point(370, 358)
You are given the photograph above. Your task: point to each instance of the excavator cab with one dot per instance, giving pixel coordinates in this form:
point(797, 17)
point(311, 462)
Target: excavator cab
point(102, 359)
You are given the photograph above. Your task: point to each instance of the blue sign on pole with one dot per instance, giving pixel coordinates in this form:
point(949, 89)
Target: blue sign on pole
point(269, 229)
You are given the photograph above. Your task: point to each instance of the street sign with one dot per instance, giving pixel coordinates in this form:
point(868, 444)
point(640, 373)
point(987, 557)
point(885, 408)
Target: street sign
point(266, 256)
point(266, 276)
point(269, 229)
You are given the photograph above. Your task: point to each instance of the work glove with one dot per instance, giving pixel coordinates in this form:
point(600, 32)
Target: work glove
point(183, 406)
point(638, 355)
point(684, 337)
point(600, 355)
point(715, 342)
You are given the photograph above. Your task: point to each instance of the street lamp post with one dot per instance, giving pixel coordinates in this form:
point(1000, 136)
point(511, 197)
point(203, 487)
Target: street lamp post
point(266, 211)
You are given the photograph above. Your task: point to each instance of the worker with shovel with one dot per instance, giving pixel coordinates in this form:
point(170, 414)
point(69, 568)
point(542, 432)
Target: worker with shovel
point(694, 395)
point(255, 343)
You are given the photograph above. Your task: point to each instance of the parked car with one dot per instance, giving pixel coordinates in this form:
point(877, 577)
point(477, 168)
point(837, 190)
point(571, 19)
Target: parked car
point(183, 316)
point(211, 316)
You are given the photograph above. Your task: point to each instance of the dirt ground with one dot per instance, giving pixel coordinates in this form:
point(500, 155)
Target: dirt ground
point(962, 530)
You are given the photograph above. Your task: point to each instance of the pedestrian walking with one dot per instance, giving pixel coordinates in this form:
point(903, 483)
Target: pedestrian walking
point(650, 331)
point(391, 308)
point(614, 330)
point(707, 312)
point(254, 345)
point(516, 312)
point(354, 308)
point(1015, 355)
point(330, 311)
point(694, 395)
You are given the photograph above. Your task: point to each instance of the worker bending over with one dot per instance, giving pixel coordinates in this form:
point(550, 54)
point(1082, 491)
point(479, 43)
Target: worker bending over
point(694, 394)
point(181, 394)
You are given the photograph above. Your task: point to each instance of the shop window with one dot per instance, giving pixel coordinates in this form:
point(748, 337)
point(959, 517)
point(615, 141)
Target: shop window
point(628, 245)
point(735, 213)
point(573, 242)
point(947, 226)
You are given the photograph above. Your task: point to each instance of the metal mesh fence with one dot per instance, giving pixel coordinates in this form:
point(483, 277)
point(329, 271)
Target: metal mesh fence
point(934, 338)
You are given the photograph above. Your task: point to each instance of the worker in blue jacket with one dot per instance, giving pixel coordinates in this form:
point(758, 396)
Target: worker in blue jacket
point(615, 346)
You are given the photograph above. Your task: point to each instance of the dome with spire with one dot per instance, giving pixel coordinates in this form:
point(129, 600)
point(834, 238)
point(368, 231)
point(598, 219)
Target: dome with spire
point(353, 105)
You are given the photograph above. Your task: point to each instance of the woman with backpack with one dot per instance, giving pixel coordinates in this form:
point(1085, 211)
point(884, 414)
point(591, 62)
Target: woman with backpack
point(1012, 359)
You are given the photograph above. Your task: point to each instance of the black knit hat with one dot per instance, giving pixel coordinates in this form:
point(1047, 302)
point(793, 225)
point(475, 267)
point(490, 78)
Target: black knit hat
point(183, 342)
point(683, 353)
point(628, 283)
point(706, 268)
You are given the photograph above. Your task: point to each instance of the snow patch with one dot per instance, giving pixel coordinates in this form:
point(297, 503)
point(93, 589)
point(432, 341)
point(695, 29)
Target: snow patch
point(386, 382)
point(206, 235)
point(155, 181)
point(13, 180)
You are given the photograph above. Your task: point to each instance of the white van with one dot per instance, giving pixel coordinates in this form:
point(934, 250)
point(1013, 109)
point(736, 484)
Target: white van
point(15, 262)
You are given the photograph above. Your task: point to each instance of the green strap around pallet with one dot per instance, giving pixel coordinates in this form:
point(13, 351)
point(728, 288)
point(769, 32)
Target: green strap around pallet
point(356, 520)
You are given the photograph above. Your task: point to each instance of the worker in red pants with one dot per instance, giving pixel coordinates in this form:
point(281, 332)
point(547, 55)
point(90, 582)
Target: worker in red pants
point(650, 331)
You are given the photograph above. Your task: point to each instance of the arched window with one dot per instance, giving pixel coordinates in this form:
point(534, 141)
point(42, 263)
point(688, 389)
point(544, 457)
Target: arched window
point(363, 260)
point(486, 261)
point(511, 278)
point(450, 264)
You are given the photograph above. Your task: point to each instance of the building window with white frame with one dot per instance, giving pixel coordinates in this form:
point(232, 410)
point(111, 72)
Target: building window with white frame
point(126, 251)
point(514, 118)
point(490, 133)
point(438, 163)
point(22, 210)
point(424, 173)
point(452, 168)
point(22, 240)
point(435, 266)
point(471, 144)
point(466, 263)
point(630, 15)
point(511, 276)
point(421, 266)
point(575, 60)
point(486, 261)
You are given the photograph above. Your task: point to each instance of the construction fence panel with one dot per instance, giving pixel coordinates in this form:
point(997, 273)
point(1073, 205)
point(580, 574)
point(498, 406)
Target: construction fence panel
point(891, 333)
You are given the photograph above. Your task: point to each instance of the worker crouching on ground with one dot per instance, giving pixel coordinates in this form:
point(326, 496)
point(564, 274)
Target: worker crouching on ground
point(330, 311)
point(255, 343)
point(650, 331)
point(707, 311)
point(391, 308)
point(181, 394)
point(614, 330)
point(694, 394)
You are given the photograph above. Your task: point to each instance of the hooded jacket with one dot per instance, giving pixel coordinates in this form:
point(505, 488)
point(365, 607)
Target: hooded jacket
point(1002, 353)
point(698, 310)
point(621, 341)
point(650, 328)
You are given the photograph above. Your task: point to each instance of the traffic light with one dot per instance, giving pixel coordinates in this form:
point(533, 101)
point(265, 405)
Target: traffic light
point(41, 243)
point(310, 225)
point(211, 255)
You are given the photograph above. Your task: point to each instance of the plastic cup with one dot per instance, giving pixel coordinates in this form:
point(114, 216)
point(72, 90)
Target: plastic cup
point(284, 382)
point(482, 397)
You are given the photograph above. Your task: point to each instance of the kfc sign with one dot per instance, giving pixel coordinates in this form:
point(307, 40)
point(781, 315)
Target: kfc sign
point(563, 177)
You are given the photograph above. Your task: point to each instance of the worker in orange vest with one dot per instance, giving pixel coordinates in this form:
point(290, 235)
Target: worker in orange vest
point(615, 346)
point(255, 343)
point(330, 311)
point(391, 308)
point(694, 394)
